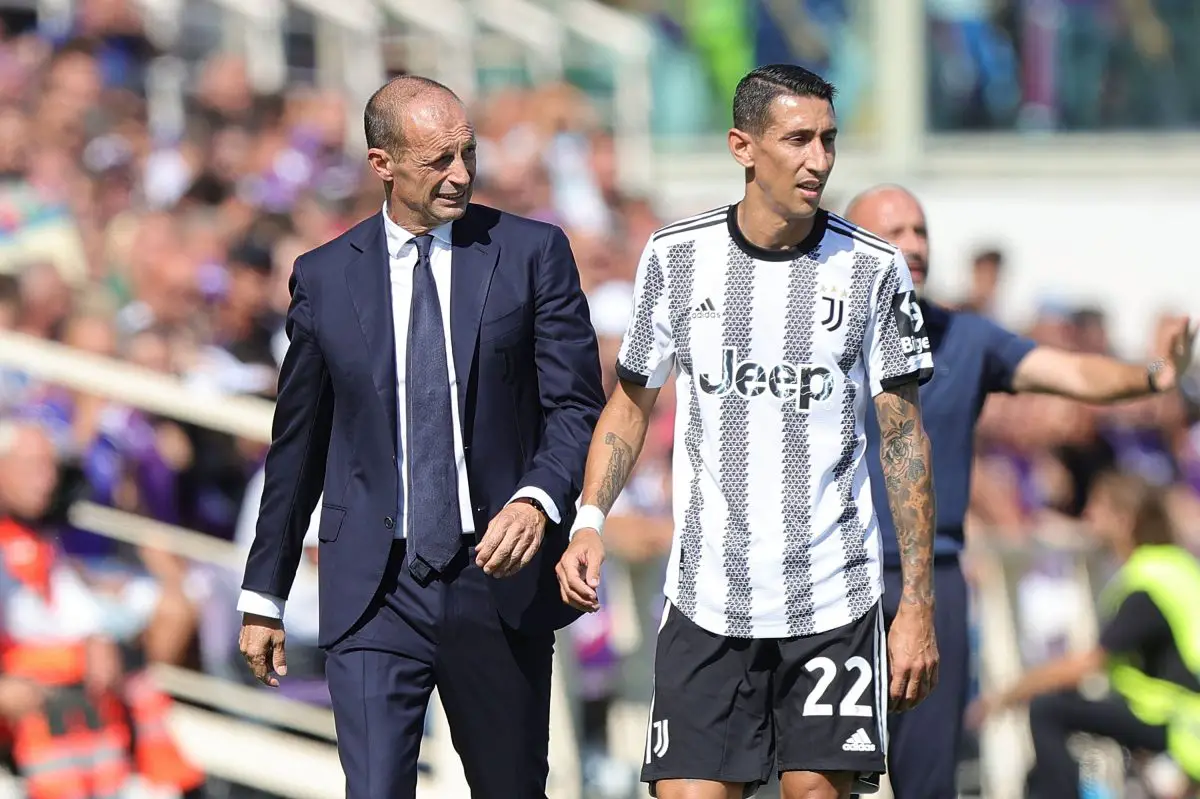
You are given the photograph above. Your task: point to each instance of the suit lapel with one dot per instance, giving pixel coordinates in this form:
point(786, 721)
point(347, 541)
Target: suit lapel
point(474, 263)
point(370, 285)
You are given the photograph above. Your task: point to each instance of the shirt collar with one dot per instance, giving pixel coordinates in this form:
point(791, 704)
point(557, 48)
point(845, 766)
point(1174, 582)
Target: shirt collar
point(397, 236)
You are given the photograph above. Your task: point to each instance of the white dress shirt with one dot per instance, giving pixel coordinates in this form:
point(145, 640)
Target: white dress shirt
point(402, 259)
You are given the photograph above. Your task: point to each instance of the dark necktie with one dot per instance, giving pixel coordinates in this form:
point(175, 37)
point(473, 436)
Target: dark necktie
point(434, 520)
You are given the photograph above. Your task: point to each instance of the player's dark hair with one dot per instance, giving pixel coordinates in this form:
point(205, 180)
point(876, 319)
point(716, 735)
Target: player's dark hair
point(758, 89)
point(380, 119)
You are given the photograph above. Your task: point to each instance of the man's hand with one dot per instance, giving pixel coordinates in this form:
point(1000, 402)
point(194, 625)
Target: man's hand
point(20, 697)
point(511, 540)
point(579, 571)
point(912, 657)
point(261, 643)
point(1180, 341)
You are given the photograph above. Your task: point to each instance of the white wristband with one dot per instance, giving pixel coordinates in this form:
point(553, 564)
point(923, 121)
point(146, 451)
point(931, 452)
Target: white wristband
point(589, 517)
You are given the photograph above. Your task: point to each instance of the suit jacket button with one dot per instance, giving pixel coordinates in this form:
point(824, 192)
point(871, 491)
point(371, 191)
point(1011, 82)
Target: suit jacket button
point(389, 522)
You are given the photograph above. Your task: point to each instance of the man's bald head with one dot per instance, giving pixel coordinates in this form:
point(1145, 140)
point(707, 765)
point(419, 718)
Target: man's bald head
point(385, 113)
point(421, 145)
point(893, 213)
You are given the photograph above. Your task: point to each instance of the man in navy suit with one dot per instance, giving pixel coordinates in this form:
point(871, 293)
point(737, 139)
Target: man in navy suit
point(440, 387)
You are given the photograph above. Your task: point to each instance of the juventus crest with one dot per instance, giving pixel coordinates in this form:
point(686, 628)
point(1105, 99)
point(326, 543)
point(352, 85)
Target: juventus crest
point(831, 310)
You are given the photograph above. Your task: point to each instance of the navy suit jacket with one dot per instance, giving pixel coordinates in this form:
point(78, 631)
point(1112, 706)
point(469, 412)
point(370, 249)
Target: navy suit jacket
point(529, 397)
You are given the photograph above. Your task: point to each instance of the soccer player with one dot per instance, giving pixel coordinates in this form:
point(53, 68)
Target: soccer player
point(781, 323)
point(974, 358)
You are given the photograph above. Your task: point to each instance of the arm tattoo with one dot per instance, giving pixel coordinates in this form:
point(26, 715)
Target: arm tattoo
point(620, 464)
point(908, 475)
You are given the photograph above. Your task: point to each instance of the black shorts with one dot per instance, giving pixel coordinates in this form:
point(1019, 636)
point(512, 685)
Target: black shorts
point(736, 709)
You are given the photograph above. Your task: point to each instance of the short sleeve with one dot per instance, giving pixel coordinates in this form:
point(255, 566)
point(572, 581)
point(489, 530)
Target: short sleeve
point(647, 355)
point(1004, 352)
point(897, 340)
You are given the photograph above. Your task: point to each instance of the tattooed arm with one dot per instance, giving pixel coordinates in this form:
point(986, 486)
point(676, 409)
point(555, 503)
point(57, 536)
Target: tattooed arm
point(616, 444)
point(908, 473)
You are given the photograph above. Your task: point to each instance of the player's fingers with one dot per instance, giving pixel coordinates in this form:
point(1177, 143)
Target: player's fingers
point(898, 687)
point(561, 573)
point(915, 690)
point(579, 594)
point(594, 562)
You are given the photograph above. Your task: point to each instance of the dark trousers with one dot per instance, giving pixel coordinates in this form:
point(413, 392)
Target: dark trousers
point(923, 743)
point(1052, 720)
point(493, 682)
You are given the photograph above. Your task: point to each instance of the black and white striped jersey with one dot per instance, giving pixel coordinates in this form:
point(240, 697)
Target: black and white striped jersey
point(776, 355)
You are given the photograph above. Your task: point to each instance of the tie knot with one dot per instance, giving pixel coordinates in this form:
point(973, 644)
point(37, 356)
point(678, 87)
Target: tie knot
point(423, 244)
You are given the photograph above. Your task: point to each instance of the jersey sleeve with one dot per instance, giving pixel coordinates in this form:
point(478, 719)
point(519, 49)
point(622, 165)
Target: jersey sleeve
point(897, 340)
point(1004, 352)
point(647, 354)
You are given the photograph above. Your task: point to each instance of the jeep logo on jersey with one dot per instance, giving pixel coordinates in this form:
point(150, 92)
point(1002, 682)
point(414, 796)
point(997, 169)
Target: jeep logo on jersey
point(910, 323)
point(785, 381)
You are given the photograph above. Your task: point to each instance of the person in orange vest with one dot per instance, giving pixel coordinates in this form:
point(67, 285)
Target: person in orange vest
point(78, 727)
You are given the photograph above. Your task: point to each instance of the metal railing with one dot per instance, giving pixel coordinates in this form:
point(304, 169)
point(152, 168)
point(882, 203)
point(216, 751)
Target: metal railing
point(230, 746)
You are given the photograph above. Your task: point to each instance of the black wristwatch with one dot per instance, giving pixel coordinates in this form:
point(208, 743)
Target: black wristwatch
point(534, 503)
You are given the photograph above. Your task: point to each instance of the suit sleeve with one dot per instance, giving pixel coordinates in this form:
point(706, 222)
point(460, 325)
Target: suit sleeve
point(295, 469)
point(897, 341)
point(570, 388)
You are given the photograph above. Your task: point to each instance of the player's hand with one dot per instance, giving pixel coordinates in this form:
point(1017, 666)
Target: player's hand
point(579, 571)
point(262, 645)
point(912, 657)
point(511, 540)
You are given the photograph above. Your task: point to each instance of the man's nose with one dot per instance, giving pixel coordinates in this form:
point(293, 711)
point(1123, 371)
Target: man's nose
point(820, 161)
point(459, 175)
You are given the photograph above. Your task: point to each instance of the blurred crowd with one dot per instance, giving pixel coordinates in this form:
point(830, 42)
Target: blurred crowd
point(992, 65)
point(174, 254)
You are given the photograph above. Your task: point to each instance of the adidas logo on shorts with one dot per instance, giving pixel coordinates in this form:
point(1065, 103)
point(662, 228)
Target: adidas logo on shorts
point(859, 742)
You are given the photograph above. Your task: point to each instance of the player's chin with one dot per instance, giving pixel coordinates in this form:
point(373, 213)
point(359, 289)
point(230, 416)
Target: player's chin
point(806, 202)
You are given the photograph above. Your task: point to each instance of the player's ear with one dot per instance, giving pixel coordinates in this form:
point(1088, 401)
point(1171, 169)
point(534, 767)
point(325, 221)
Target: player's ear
point(741, 146)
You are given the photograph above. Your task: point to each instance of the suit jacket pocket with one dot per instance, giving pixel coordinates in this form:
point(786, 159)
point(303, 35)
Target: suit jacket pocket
point(504, 328)
point(330, 527)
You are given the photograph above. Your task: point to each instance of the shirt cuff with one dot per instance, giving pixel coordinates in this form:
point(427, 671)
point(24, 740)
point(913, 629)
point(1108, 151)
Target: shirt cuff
point(533, 492)
point(260, 604)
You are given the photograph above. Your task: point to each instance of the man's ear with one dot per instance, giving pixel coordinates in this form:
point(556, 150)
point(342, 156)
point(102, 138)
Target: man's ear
point(381, 164)
point(741, 146)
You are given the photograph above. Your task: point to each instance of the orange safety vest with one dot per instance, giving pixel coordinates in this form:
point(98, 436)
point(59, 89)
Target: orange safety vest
point(79, 746)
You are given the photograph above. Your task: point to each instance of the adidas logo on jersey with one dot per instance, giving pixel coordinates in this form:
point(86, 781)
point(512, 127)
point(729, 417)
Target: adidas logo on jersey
point(859, 742)
point(706, 310)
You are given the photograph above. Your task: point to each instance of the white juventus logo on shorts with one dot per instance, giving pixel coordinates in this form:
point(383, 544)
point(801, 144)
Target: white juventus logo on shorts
point(662, 738)
point(859, 742)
